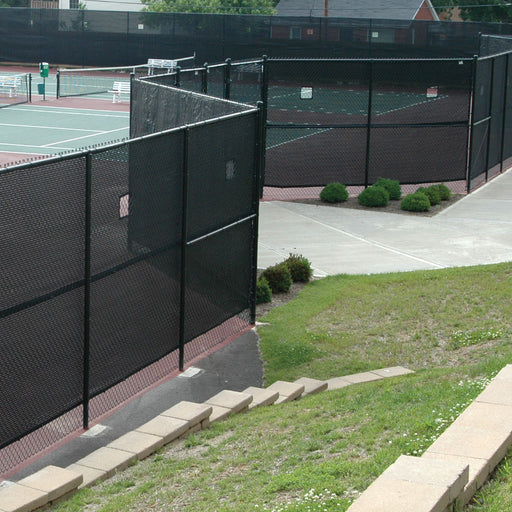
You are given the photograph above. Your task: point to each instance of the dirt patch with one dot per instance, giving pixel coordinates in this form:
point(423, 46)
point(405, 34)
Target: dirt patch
point(392, 207)
point(278, 299)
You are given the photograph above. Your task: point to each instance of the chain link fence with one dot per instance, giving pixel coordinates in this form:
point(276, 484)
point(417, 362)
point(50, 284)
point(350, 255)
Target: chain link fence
point(121, 263)
point(83, 37)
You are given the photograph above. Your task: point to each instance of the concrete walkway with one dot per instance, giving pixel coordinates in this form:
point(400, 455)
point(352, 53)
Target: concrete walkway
point(475, 230)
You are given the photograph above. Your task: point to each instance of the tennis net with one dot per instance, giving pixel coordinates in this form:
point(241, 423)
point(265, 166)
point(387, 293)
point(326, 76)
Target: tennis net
point(93, 81)
point(88, 81)
point(14, 89)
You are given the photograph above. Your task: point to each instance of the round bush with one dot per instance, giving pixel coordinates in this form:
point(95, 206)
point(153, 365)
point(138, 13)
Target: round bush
point(444, 191)
point(334, 193)
point(432, 193)
point(278, 277)
point(374, 196)
point(300, 268)
point(263, 291)
point(392, 186)
point(417, 202)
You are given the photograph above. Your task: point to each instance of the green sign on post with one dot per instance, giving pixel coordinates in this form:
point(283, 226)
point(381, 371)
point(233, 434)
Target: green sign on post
point(44, 69)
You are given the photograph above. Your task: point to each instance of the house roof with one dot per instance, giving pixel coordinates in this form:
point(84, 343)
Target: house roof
point(377, 9)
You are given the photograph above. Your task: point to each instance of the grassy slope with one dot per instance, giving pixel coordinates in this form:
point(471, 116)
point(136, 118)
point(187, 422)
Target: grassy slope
point(451, 326)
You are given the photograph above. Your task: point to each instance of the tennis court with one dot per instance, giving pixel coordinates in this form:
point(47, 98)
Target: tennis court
point(331, 106)
point(54, 127)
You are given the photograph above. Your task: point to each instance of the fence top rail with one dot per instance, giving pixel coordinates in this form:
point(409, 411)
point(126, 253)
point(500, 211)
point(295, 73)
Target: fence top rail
point(206, 96)
point(495, 55)
point(368, 60)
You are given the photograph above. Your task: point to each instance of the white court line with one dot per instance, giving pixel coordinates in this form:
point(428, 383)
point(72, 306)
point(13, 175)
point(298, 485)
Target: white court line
point(50, 127)
point(84, 137)
point(72, 112)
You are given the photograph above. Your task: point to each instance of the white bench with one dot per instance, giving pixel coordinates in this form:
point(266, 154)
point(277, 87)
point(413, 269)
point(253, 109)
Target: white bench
point(118, 89)
point(169, 65)
point(10, 85)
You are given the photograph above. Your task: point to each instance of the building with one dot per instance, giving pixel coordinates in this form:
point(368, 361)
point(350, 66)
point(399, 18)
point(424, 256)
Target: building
point(368, 9)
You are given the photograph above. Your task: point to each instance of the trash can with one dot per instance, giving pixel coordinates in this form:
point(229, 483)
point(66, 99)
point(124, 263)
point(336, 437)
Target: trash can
point(40, 88)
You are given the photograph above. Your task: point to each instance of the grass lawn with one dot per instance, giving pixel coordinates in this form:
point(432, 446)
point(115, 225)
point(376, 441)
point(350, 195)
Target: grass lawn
point(451, 326)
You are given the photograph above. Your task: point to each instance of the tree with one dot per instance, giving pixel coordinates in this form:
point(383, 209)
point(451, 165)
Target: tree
point(487, 10)
point(14, 3)
point(494, 11)
point(211, 6)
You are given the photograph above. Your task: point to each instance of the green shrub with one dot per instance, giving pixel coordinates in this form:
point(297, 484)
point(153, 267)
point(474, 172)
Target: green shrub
point(392, 186)
point(300, 268)
point(444, 191)
point(334, 193)
point(417, 202)
point(263, 291)
point(279, 278)
point(432, 193)
point(374, 196)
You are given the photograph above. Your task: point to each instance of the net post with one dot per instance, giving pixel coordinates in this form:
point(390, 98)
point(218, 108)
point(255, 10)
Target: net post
point(87, 291)
point(227, 80)
point(57, 94)
point(177, 77)
point(30, 87)
point(183, 262)
point(132, 78)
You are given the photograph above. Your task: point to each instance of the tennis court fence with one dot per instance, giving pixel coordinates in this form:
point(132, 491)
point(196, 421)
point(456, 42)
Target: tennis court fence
point(120, 264)
point(353, 121)
point(89, 81)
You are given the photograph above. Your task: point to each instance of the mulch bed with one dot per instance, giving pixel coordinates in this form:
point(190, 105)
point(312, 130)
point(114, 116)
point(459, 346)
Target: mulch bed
point(392, 207)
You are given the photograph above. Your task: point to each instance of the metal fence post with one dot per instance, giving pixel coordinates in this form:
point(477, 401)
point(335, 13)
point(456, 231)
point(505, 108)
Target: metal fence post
point(204, 81)
point(264, 114)
point(257, 193)
point(471, 125)
point(227, 80)
point(504, 118)
point(183, 262)
point(489, 130)
point(177, 77)
point(369, 124)
point(87, 290)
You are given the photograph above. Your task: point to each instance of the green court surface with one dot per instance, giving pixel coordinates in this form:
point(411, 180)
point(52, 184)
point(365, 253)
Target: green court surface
point(38, 129)
point(332, 106)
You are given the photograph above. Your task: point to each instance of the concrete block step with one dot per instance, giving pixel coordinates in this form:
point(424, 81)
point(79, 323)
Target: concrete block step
point(358, 378)
point(47, 485)
point(197, 415)
point(414, 484)
point(478, 473)
point(261, 396)
point(228, 402)
point(288, 391)
point(165, 427)
point(90, 476)
point(18, 498)
point(311, 386)
point(477, 443)
point(140, 444)
point(107, 460)
point(54, 481)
